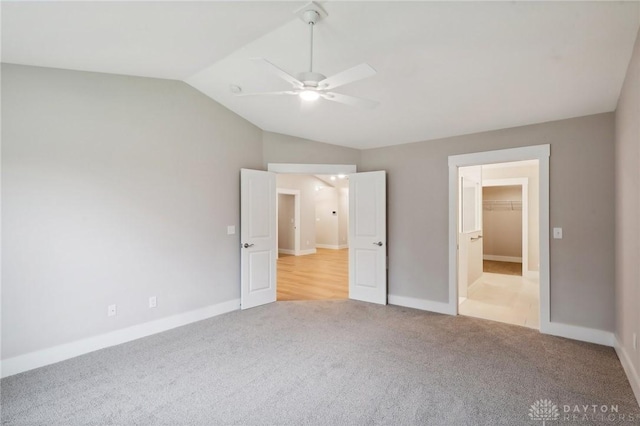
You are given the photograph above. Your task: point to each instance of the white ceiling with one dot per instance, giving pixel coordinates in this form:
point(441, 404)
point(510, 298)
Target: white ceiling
point(444, 68)
point(334, 181)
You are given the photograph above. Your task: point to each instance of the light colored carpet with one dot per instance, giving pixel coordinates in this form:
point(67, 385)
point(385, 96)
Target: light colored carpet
point(323, 363)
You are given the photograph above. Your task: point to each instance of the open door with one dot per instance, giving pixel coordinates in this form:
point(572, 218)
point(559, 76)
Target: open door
point(469, 227)
point(368, 237)
point(258, 238)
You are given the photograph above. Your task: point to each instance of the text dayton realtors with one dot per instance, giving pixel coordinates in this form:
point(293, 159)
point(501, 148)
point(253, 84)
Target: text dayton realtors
point(595, 413)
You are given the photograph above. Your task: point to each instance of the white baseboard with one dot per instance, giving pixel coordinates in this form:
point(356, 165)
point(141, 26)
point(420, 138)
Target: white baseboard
point(305, 252)
point(422, 304)
point(65, 351)
point(328, 246)
point(343, 246)
point(591, 335)
point(474, 283)
point(629, 369)
point(534, 275)
point(502, 258)
point(287, 251)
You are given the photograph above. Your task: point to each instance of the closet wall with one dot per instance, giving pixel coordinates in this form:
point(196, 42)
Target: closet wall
point(529, 171)
point(502, 223)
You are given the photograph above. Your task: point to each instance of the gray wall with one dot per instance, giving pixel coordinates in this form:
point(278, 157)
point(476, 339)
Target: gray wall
point(286, 222)
point(343, 217)
point(326, 222)
point(628, 211)
point(582, 202)
point(306, 184)
point(111, 193)
point(279, 148)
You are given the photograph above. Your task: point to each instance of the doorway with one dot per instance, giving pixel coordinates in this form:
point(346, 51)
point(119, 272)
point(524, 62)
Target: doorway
point(258, 233)
point(496, 281)
point(312, 209)
point(469, 282)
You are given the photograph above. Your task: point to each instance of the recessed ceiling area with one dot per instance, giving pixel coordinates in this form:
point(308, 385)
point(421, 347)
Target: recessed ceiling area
point(443, 68)
point(335, 181)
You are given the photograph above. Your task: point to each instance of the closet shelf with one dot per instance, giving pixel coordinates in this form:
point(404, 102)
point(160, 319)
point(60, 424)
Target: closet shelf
point(501, 205)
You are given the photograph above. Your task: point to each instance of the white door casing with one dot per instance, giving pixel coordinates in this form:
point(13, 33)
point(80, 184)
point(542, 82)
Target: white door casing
point(258, 238)
point(367, 226)
point(537, 152)
point(368, 237)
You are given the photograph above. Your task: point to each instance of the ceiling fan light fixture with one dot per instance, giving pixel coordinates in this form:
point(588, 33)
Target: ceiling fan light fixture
point(309, 95)
point(310, 85)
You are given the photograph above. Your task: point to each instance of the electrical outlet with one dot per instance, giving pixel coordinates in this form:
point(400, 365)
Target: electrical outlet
point(153, 302)
point(231, 230)
point(635, 342)
point(111, 310)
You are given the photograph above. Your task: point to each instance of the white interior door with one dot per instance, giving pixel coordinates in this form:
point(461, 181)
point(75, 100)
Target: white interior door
point(469, 228)
point(368, 237)
point(258, 238)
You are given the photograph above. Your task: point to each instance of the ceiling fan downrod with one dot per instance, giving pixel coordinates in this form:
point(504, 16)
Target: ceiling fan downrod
point(311, 17)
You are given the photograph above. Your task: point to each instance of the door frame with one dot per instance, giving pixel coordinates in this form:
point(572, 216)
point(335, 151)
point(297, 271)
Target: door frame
point(523, 182)
point(536, 152)
point(296, 219)
point(311, 169)
point(307, 169)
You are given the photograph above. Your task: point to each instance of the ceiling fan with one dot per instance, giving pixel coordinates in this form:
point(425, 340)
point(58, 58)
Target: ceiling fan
point(310, 85)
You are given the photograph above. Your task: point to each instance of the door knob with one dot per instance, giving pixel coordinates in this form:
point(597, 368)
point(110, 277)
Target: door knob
point(379, 244)
point(246, 245)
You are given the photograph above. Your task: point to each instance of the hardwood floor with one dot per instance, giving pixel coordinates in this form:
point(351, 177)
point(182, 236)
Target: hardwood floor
point(324, 275)
point(505, 268)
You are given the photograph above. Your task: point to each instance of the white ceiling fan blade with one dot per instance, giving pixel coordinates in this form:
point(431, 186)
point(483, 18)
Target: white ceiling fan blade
point(348, 76)
point(285, 92)
point(280, 73)
point(350, 100)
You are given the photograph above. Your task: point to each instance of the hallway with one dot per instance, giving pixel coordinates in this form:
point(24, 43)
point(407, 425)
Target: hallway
point(323, 275)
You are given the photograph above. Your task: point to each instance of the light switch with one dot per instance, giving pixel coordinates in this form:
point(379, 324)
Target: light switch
point(231, 230)
point(557, 233)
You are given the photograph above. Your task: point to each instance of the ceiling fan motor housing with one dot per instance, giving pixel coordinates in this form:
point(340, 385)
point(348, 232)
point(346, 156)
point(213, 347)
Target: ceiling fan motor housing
point(311, 79)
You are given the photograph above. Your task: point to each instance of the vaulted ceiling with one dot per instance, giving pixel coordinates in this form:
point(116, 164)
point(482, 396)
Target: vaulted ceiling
point(443, 68)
